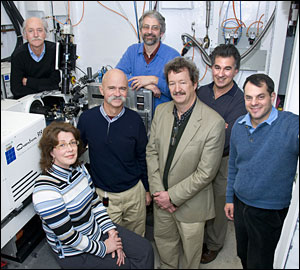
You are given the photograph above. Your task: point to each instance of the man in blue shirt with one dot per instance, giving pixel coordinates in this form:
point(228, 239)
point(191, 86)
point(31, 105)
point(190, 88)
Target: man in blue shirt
point(264, 150)
point(225, 97)
point(143, 63)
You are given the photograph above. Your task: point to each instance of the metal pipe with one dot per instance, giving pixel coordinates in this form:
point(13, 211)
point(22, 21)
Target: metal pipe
point(260, 36)
point(137, 22)
point(206, 57)
point(208, 5)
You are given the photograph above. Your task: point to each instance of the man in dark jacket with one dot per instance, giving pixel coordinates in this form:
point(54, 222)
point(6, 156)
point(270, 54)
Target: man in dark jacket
point(116, 138)
point(33, 63)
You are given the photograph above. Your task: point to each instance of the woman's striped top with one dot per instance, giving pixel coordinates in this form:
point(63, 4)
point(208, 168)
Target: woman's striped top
point(72, 213)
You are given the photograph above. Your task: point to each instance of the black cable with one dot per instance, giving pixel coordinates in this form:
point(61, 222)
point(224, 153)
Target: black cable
point(17, 13)
point(8, 11)
point(12, 16)
point(20, 22)
point(186, 48)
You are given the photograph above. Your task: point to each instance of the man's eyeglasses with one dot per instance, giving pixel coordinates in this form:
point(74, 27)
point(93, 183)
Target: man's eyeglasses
point(153, 27)
point(64, 145)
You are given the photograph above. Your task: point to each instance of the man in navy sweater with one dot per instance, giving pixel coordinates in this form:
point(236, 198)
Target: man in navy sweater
point(264, 150)
point(226, 98)
point(116, 138)
point(33, 63)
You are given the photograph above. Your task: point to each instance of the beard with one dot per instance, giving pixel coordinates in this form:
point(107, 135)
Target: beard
point(150, 42)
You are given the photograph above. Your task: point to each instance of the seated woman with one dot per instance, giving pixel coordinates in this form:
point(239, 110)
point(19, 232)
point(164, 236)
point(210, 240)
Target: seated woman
point(77, 226)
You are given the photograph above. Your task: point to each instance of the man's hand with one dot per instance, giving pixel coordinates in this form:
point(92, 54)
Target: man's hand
point(24, 81)
point(162, 199)
point(148, 198)
point(172, 209)
point(154, 89)
point(142, 81)
point(229, 209)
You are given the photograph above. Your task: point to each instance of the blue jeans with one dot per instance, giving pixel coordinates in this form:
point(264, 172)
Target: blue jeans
point(257, 234)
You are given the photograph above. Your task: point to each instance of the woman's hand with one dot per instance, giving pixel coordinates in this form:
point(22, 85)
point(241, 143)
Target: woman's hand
point(113, 242)
point(121, 257)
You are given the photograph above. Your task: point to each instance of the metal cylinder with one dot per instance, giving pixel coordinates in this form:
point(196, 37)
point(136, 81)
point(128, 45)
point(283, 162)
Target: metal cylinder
point(89, 73)
point(208, 5)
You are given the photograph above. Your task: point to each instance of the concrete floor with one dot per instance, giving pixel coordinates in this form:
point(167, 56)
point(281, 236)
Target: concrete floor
point(41, 259)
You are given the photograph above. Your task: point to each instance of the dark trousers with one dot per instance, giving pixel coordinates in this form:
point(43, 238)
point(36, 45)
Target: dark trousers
point(257, 234)
point(138, 251)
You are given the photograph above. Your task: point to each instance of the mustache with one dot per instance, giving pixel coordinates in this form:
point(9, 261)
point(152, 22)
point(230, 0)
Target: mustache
point(110, 99)
point(179, 93)
point(38, 38)
point(149, 35)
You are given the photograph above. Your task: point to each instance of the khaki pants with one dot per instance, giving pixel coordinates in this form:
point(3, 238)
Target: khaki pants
point(216, 228)
point(172, 237)
point(128, 208)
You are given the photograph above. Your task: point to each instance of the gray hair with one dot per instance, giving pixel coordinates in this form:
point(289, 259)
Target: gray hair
point(45, 25)
point(153, 14)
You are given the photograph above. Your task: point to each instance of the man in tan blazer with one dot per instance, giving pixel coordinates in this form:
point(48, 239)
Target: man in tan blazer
point(183, 155)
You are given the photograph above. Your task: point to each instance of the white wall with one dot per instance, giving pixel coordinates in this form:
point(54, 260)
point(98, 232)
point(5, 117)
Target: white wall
point(287, 251)
point(103, 36)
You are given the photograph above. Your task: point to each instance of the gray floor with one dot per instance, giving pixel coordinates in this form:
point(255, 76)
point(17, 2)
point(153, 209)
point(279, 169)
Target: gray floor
point(41, 259)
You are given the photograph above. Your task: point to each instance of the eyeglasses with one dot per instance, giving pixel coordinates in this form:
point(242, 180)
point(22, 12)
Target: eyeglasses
point(64, 145)
point(153, 27)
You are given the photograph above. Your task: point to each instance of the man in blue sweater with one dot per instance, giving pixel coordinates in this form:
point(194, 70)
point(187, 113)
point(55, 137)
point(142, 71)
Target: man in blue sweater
point(143, 63)
point(264, 149)
point(116, 138)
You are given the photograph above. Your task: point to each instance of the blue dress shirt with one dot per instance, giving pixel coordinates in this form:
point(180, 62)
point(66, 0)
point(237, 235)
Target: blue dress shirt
point(133, 63)
point(34, 56)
